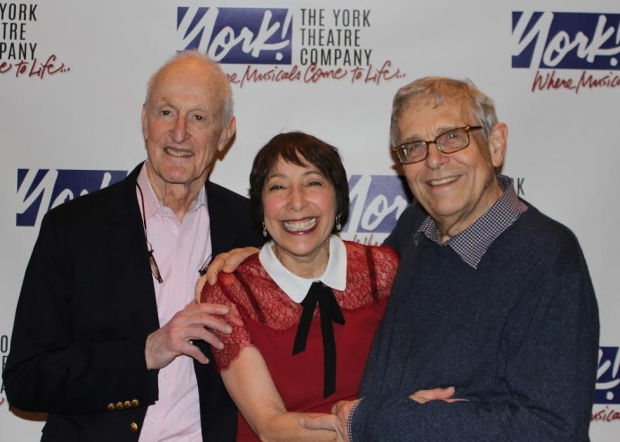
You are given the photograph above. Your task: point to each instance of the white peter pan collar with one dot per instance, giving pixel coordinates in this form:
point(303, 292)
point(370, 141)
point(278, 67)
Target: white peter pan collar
point(296, 287)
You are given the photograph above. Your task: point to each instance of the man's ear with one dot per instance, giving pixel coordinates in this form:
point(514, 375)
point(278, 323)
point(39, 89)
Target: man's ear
point(145, 125)
point(498, 140)
point(227, 134)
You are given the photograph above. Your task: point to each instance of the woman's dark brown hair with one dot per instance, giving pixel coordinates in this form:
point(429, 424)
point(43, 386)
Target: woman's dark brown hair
point(297, 148)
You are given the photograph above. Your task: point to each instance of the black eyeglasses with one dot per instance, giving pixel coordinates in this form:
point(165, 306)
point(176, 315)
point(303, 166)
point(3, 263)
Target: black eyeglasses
point(203, 269)
point(152, 262)
point(448, 142)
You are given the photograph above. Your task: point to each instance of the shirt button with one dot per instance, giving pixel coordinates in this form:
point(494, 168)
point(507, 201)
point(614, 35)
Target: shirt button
point(180, 244)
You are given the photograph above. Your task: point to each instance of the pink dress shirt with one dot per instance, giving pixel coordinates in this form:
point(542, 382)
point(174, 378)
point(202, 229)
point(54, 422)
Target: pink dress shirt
point(180, 249)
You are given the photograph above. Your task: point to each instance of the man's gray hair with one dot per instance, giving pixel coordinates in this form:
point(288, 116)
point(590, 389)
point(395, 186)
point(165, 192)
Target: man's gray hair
point(219, 75)
point(440, 89)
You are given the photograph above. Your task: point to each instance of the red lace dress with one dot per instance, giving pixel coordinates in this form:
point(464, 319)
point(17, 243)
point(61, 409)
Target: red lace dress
point(271, 319)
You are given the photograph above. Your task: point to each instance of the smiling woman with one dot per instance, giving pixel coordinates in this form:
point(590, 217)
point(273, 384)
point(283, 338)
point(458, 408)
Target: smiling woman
point(289, 356)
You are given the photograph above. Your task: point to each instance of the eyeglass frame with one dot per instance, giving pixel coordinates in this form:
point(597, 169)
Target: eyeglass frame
point(152, 262)
point(154, 267)
point(402, 146)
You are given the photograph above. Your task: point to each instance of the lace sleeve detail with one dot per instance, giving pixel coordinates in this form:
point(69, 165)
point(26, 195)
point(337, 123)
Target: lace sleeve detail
point(386, 262)
point(255, 296)
point(370, 273)
point(224, 293)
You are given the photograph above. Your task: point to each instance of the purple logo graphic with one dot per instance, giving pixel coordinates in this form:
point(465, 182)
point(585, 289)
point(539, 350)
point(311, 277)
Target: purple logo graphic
point(237, 35)
point(376, 203)
point(565, 40)
point(608, 376)
point(41, 190)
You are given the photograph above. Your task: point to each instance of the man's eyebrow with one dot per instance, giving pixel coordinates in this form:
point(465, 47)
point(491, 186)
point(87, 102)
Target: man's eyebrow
point(162, 102)
point(165, 101)
point(439, 131)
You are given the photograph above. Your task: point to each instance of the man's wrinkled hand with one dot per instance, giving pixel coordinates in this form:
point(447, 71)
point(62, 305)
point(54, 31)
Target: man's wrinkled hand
point(174, 339)
point(435, 394)
point(228, 262)
point(337, 421)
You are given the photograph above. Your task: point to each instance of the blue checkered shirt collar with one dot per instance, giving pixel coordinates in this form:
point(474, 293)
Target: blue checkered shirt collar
point(472, 243)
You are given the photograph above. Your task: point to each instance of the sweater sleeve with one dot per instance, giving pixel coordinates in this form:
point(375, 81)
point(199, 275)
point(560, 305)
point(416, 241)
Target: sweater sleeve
point(548, 365)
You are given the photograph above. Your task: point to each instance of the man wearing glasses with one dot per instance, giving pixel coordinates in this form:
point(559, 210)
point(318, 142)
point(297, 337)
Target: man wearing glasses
point(107, 338)
point(492, 310)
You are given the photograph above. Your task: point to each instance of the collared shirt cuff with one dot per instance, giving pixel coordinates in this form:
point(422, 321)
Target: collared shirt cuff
point(350, 421)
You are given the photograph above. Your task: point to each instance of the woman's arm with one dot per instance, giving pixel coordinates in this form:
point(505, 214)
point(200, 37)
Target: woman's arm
point(251, 387)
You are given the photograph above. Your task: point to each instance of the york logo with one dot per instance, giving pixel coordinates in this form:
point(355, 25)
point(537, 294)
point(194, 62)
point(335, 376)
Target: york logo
point(41, 190)
point(376, 203)
point(608, 376)
point(237, 35)
point(565, 40)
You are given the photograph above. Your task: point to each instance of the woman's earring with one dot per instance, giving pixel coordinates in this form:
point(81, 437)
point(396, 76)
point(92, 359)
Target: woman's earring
point(264, 230)
point(338, 225)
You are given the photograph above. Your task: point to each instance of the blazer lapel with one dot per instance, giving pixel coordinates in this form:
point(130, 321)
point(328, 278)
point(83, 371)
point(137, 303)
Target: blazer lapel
point(222, 221)
point(127, 244)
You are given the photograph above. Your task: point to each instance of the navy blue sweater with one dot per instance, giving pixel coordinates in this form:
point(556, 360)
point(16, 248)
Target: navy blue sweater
point(517, 337)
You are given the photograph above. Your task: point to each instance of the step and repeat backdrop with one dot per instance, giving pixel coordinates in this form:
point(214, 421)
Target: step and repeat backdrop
point(73, 77)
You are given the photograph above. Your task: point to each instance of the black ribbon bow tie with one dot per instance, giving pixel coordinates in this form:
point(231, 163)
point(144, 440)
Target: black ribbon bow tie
point(330, 312)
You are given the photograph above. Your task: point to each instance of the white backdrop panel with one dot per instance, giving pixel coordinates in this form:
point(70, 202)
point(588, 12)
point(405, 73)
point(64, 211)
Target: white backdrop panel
point(67, 124)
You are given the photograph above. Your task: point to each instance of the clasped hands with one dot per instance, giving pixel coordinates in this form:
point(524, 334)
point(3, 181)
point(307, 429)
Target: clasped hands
point(338, 420)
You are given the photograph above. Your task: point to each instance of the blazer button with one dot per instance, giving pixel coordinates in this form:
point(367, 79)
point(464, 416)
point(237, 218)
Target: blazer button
point(111, 407)
point(133, 426)
point(119, 405)
point(135, 403)
point(127, 404)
